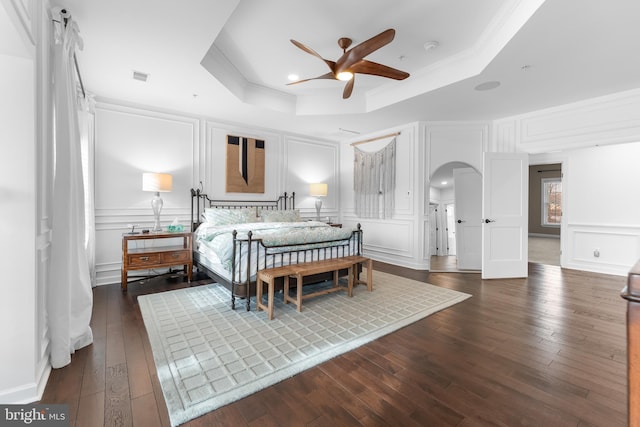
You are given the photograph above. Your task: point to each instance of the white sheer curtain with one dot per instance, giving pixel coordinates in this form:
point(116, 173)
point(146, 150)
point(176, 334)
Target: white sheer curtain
point(86, 117)
point(69, 295)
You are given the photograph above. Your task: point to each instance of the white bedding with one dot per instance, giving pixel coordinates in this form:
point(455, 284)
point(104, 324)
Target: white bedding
point(215, 244)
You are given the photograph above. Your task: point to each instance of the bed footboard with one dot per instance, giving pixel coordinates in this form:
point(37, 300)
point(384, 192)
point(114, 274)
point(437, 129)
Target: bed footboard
point(259, 256)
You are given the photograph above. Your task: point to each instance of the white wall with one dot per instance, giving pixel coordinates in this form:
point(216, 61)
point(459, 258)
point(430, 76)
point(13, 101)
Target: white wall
point(129, 142)
point(459, 142)
point(24, 174)
point(421, 149)
point(17, 191)
point(396, 240)
point(132, 140)
point(604, 208)
point(307, 161)
point(597, 143)
point(595, 140)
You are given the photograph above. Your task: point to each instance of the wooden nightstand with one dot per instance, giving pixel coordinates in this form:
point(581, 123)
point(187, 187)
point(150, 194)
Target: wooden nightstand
point(156, 256)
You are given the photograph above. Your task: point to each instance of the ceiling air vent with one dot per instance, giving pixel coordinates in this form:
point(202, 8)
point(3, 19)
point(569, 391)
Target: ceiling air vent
point(138, 75)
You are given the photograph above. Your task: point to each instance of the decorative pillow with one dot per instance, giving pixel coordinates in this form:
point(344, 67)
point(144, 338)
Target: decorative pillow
point(292, 215)
point(222, 216)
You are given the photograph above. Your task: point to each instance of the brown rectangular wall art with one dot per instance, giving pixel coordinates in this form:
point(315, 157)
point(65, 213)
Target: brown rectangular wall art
point(245, 165)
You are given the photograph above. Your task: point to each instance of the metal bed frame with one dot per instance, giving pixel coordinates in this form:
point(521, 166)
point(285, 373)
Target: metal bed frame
point(241, 284)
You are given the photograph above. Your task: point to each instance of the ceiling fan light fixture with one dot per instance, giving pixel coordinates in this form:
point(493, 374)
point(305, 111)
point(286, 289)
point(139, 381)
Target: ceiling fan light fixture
point(345, 76)
point(352, 61)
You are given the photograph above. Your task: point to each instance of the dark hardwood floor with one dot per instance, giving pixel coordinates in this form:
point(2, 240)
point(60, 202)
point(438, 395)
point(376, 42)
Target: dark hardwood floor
point(549, 350)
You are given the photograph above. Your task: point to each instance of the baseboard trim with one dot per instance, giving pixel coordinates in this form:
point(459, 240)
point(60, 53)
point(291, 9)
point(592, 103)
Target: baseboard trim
point(549, 236)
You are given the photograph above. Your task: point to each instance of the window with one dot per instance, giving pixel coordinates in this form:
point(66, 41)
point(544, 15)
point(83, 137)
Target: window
point(551, 202)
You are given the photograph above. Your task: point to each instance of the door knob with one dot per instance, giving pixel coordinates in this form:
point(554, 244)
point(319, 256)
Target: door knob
point(487, 221)
point(460, 221)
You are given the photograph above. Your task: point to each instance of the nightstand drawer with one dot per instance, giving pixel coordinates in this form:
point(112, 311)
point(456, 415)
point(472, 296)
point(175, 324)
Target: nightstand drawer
point(157, 251)
point(143, 259)
point(175, 256)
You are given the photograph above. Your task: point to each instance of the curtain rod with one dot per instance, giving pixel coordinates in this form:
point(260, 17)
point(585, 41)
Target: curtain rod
point(75, 59)
point(375, 139)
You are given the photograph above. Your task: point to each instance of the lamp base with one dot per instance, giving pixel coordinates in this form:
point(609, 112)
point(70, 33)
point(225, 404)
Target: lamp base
point(318, 207)
point(156, 205)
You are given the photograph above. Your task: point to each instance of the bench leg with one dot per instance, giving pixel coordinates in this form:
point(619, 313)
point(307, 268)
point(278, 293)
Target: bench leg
point(259, 305)
point(370, 275)
point(350, 272)
point(270, 298)
point(299, 292)
point(356, 274)
point(286, 289)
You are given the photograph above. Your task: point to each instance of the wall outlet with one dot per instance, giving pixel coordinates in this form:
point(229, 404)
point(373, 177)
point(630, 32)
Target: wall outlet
point(596, 253)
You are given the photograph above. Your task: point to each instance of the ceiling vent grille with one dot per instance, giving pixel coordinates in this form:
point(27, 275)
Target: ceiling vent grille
point(138, 75)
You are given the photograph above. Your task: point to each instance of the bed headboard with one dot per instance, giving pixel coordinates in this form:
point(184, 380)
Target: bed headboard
point(200, 201)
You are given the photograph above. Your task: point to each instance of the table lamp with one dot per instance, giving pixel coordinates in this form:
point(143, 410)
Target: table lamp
point(318, 190)
point(157, 182)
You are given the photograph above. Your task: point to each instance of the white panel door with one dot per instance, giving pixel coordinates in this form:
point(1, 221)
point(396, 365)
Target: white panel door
point(433, 230)
point(468, 212)
point(505, 192)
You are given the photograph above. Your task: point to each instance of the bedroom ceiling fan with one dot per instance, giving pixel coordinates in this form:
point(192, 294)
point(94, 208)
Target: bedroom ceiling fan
point(352, 61)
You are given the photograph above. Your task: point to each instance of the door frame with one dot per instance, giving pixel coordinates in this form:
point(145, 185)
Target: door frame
point(458, 164)
point(544, 159)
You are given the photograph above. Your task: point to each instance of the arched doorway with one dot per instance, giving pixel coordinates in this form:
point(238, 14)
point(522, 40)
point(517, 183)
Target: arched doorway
point(455, 232)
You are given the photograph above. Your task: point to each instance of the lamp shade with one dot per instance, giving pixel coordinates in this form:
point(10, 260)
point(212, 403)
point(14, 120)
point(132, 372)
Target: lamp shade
point(158, 182)
point(318, 190)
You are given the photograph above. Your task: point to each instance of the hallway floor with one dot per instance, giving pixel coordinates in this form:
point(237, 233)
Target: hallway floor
point(544, 250)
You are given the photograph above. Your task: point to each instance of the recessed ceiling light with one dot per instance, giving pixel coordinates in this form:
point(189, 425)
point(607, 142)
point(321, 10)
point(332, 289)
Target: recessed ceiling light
point(293, 77)
point(487, 85)
point(444, 183)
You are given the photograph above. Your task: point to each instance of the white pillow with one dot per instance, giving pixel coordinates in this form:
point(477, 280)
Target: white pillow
point(224, 216)
point(291, 215)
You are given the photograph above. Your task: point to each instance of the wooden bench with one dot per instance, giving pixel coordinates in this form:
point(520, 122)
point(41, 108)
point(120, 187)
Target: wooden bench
point(299, 271)
point(366, 262)
point(310, 268)
point(269, 275)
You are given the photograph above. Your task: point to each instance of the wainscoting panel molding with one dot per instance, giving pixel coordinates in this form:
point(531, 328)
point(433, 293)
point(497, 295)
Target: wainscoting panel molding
point(130, 141)
point(309, 162)
point(611, 119)
point(604, 249)
point(396, 242)
point(456, 142)
point(505, 136)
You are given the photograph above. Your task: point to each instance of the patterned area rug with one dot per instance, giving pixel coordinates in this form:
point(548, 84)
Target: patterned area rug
point(208, 355)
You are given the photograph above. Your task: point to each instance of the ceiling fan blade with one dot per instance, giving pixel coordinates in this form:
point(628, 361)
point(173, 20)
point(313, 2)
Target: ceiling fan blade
point(348, 88)
point(375, 69)
point(331, 64)
point(329, 75)
point(357, 53)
